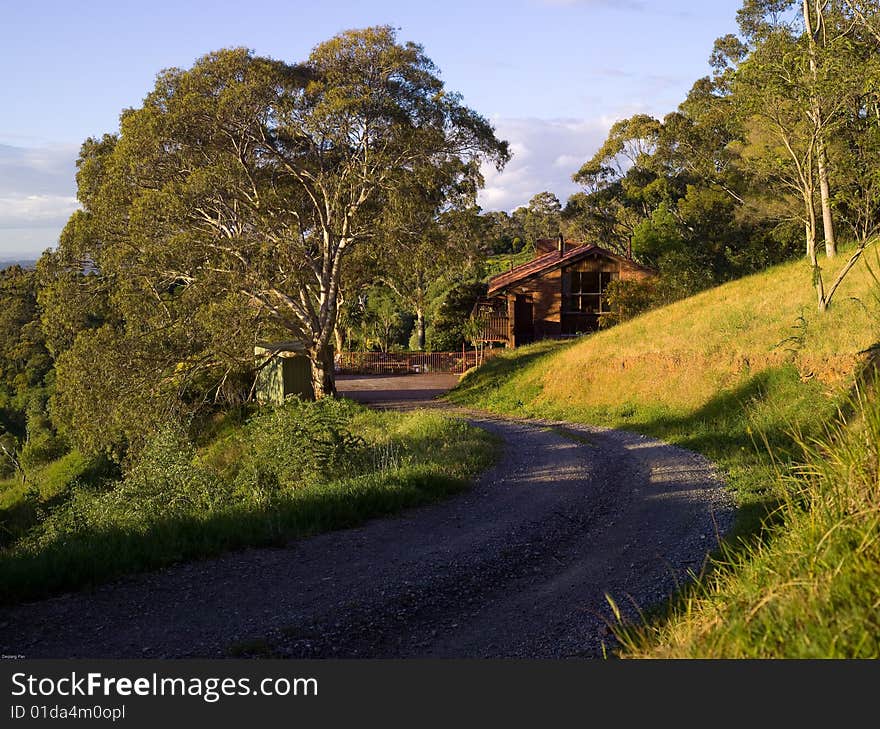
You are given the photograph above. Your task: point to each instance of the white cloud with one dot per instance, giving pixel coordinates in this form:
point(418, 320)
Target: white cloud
point(37, 195)
point(546, 153)
point(568, 162)
point(23, 211)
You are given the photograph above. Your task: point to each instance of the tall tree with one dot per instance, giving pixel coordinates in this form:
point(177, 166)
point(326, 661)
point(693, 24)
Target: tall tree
point(822, 28)
point(815, 29)
point(795, 94)
point(429, 230)
point(24, 360)
point(253, 178)
point(621, 186)
point(543, 217)
point(780, 140)
point(501, 233)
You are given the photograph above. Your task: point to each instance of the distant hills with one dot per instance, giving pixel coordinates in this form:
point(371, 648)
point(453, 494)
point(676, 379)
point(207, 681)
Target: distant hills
point(23, 262)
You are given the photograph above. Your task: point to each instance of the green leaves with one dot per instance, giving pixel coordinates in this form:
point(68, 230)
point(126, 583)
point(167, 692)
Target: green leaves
point(248, 181)
point(300, 443)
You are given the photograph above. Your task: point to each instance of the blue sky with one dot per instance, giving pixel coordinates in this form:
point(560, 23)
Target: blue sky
point(552, 75)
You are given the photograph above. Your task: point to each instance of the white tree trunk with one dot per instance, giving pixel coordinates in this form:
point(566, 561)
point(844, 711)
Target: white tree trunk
point(323, 371)
point(812, 29)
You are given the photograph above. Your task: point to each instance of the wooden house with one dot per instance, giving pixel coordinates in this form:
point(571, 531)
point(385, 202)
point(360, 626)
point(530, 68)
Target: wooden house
point(559, 293)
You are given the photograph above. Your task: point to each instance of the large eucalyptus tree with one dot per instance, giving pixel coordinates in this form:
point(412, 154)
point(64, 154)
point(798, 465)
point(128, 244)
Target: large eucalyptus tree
point(254, 178)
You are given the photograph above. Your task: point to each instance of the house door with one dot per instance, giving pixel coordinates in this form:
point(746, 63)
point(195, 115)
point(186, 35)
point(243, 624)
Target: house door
point(523, 320)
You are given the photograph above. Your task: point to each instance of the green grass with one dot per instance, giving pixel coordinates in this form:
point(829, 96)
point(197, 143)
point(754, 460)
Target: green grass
point(46, 485)
point(408, 459)
point(503, 262)
point(745, 374)
point(812, 588)
point(49, 480)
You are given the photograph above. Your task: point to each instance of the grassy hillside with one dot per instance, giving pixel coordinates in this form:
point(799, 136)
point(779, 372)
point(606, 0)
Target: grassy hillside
point(713, 341)
point(503, 262)
point(753, 377)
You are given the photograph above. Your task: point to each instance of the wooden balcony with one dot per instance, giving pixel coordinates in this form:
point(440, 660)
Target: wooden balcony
point(491, 315)
point(496, 328)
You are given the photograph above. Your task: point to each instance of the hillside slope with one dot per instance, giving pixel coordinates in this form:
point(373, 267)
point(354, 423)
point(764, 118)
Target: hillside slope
point(682, 355)
point(750, 375)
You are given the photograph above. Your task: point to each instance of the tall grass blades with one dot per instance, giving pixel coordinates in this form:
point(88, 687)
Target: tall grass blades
point(811, 588)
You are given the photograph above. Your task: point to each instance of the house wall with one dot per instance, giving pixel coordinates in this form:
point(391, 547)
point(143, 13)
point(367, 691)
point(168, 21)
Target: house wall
point(626, 271)
point(577, 322)
point(547, 299)
point(546, 293)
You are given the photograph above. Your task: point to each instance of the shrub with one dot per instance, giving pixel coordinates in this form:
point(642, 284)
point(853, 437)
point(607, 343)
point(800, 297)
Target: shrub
point(450, 312)
point(42, 447)
point(679, 278)
point(163, 483)
point(301, 469)
point(300, 443)
point(166, 481)
point(43, 444)
point(627, 299)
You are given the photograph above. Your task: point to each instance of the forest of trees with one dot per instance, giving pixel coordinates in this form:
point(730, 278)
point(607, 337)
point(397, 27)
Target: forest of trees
point(334, 201)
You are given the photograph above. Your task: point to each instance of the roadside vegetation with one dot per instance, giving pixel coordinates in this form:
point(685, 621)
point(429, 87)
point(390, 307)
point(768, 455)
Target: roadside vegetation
point(751, 376)
point(811, 588)
point(284, 472)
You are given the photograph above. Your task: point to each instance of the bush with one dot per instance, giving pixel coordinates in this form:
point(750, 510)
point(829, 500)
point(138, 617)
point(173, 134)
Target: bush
point(451, 311)
point(680, 277)
point(300, 443)
point(166, 481)
point(163, 483)
point(43, 444)
point(627, 299)
point(41, 448)
point(291, 471)
point(293, 445)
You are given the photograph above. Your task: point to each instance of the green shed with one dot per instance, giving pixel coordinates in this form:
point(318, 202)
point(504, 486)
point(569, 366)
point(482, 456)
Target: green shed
point(283, 370)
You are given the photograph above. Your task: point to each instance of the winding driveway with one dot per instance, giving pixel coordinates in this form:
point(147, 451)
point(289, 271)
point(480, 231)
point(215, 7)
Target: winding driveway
point(519, 566)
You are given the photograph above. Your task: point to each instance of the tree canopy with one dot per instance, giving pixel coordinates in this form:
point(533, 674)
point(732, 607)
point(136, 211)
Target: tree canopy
point(228, 203)
point(781, 136)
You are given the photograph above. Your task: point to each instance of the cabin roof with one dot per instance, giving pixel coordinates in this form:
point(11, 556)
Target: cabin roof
point(552, 260)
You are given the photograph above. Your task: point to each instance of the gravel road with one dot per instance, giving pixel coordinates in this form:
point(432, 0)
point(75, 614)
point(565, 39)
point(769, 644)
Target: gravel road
point(517, 567)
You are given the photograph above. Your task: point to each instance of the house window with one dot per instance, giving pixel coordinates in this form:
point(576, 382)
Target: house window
point(585, 291)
